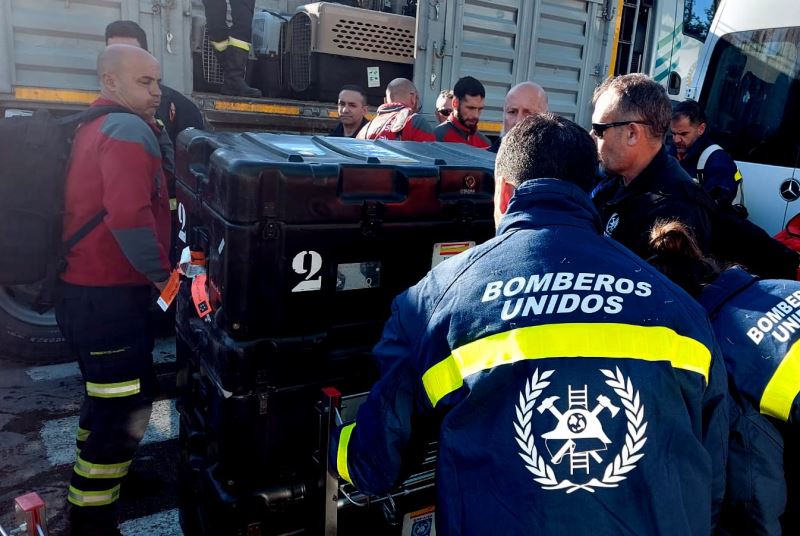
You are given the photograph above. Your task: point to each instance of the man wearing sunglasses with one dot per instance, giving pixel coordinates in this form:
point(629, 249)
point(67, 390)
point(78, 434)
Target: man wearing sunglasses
point(644, 184)
point(631, 116)
point(444, 105)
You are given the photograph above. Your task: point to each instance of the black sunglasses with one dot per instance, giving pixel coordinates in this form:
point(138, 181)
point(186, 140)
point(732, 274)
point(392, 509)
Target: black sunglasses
point(598, 129)
point(445, 111)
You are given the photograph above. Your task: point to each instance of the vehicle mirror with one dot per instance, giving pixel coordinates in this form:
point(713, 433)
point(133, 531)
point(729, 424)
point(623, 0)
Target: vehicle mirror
point(674, 83)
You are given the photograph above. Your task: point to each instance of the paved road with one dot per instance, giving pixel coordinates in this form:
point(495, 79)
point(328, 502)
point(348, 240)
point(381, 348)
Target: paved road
point(38, 417)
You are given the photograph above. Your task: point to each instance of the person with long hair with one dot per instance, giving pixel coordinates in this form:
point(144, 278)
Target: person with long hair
point(757, 325)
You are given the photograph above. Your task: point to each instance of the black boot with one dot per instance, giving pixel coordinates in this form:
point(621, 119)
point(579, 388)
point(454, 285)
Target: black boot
point(234, 68)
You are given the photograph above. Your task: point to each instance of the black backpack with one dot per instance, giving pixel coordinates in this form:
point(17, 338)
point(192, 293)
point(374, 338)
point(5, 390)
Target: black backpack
point(34, 151)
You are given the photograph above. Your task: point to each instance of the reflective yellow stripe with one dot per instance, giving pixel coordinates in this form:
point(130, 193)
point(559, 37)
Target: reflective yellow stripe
point(738, 176)
point(64, 96)
point(238, 43)
point(219, 46)
point(82, 434)
point(615, 43)
point(101, 470)
point(113, 390)
point(783, 387)
point(92, 498)
point(618, 341)
point(490, 126)
point(110, 352)
point(278, 109)
point(341, 453)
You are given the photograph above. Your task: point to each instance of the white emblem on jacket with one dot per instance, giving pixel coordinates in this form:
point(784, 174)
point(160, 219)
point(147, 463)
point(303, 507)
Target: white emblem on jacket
point(578, 439)
point(612, 224)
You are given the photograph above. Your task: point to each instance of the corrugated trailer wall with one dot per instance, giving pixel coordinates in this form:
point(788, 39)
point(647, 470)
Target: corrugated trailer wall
point(560, 44)
point(54, 43)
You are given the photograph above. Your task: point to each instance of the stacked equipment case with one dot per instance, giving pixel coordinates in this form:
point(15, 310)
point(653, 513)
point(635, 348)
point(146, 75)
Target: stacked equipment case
point(306, 242)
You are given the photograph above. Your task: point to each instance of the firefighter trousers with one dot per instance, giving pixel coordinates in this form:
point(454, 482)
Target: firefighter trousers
point(110, 332)
point(240, 31)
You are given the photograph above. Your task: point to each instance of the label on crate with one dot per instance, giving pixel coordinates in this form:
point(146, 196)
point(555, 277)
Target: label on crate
point(167, 295)
point(373, 77)
point(444, 250)
point(419, 523)
point(358, 275)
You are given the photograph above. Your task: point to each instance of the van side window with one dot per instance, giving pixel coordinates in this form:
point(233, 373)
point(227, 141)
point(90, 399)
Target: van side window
point(697, 17)
point(751, 95)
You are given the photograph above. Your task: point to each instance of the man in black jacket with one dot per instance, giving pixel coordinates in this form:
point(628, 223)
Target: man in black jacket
point(644, 184)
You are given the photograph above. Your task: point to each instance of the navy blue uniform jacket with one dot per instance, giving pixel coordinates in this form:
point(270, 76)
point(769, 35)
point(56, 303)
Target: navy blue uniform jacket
point(580, 392)
point(757, 323)
point(720, 176)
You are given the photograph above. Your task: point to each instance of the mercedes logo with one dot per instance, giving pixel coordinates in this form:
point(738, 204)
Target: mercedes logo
point(790, 190)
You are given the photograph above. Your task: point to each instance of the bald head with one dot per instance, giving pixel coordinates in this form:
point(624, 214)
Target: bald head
point(129, 76)
point(404, 91)
point(524, 99)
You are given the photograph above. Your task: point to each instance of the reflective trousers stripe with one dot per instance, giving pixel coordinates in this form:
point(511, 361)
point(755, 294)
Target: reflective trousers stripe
point(82, 434)
point(341, 453)
point(601, 340)
point(113, 390)
point(101, 470)
point(110, 352)
point(92, 498)
point(783, 387)
point(238, 43)
point(219, 46)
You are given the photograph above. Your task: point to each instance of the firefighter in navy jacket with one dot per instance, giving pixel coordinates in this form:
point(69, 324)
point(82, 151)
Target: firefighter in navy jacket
point(756, 323)
point(579, 391)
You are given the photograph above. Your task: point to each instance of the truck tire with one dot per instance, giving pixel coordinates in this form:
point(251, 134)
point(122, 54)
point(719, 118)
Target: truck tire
point(26, 335)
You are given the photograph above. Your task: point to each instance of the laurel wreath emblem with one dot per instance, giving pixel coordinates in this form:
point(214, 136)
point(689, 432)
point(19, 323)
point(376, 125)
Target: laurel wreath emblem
point(615, 472)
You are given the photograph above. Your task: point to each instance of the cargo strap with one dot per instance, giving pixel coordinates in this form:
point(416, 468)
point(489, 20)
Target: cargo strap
point(202, 304)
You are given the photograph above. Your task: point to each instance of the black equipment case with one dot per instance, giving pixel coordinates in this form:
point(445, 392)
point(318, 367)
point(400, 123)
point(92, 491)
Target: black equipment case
point(308, 240)
point(313, 237)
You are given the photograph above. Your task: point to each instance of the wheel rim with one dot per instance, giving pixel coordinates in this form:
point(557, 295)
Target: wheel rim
point(16, 301)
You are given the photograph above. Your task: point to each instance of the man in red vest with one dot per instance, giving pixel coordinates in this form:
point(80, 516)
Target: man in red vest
point(462, 125)
point(398, 118)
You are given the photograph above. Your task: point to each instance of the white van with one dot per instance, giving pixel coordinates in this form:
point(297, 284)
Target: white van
point(748, 82)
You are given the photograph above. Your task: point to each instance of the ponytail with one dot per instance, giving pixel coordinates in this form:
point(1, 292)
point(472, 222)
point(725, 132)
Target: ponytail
point(675, 253)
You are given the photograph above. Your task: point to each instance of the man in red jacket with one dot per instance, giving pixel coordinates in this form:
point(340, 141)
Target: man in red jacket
point(116, 178)
point(462, 125)
point(398, 118)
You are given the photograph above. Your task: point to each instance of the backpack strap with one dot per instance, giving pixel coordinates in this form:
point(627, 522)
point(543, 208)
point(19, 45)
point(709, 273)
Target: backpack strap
point(45, 298)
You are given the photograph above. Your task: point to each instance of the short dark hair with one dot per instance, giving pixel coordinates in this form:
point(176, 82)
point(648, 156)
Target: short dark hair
point(690, 109)
point(547, 146)
point(469, 86)
point(126, 28)
point(641, 96)
point(357, 89)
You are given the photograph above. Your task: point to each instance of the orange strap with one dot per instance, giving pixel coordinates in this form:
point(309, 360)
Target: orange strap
point(200, 295)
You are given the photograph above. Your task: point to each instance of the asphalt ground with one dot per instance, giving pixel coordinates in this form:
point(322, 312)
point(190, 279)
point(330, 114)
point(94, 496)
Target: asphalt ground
point(38, 417)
